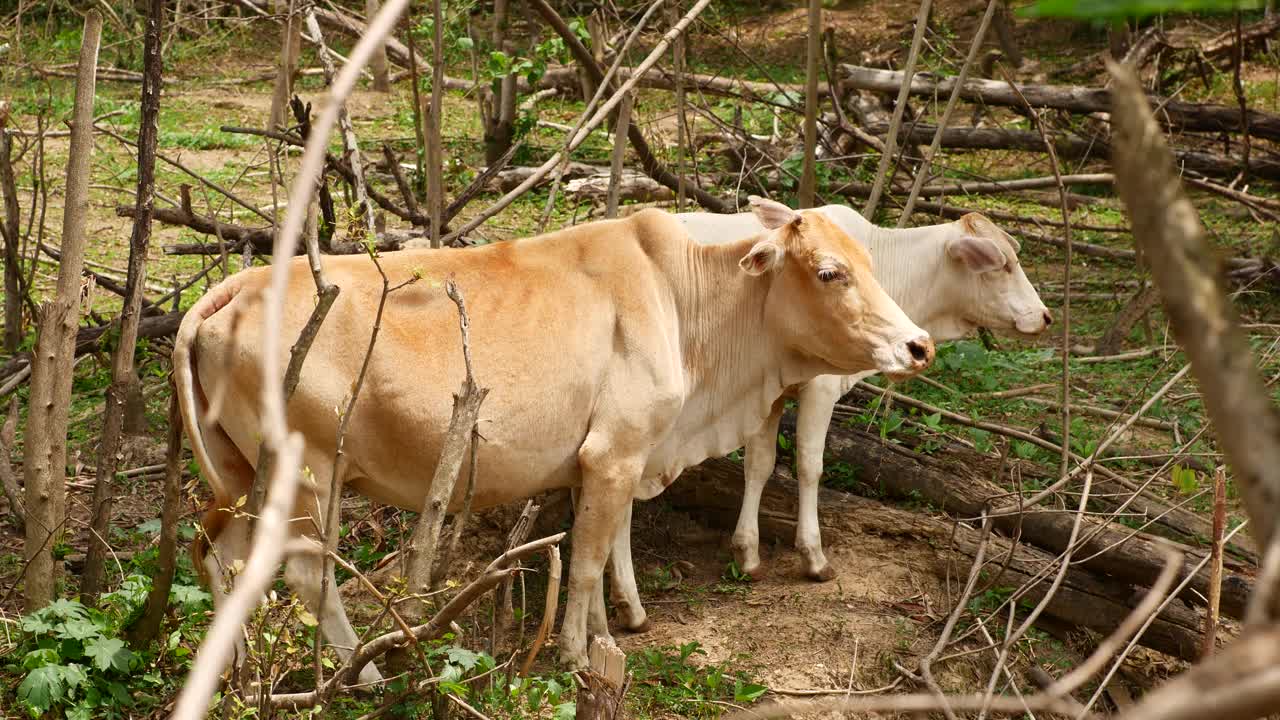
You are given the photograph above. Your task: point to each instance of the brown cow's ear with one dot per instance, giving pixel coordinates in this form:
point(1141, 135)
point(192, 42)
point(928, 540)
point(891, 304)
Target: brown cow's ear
point(763, 257)
point(979, 254)
point(772, 214)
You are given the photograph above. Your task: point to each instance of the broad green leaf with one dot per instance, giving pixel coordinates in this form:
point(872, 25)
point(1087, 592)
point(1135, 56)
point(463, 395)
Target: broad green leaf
point(108, 653)
point(36, 624)
point(748, 692)
point(40, 658)
point(42, 687)
point(565, 711)
point(64, 608)
point(79, 629)
point(74, 676)
point(463, 657)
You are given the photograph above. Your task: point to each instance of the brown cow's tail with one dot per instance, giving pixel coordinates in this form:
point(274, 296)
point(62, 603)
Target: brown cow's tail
point(194, 403)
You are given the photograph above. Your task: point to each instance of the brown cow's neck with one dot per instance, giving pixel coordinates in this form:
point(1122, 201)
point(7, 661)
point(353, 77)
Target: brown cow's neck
point(734, 367)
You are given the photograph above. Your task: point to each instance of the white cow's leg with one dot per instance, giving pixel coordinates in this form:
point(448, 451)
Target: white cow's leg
point(813, 418)
point(607, 485)
point(761, 454)
point(221, 556)
point(622, 573)
point(303, 573)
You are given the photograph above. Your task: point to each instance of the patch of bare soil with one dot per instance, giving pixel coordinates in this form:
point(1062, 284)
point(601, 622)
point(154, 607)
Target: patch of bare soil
point(794, 633)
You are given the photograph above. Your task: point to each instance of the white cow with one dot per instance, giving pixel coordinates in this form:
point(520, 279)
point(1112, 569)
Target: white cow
point(949, 278)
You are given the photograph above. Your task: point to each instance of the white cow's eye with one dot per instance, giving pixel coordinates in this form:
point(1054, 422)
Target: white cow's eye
point(829, 274)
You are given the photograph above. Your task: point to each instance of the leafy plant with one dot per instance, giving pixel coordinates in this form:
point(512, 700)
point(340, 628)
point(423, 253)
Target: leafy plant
point(1185, 480)
point(72, 658)
point(667, 678)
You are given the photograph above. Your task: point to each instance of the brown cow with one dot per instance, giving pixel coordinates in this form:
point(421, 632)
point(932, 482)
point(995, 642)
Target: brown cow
point(618, 353)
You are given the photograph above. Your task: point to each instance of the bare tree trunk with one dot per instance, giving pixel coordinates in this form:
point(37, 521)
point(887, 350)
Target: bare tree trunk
point(45, 449)
point(682, 118)
point(1185, 269)
point(123, 376)
point(435, 161)
point(619, 152)
point(290, 46)
point(605, 681)
point(1215, 562)
point(500, 111)
point(378, 64)
point(10, 230)
point(1004, 34)
point(148, 626)
point(809, 174)
point(9, 481)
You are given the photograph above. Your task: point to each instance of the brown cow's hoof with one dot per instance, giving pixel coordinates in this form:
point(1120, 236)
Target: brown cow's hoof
point(823, 575)
point(643, 627)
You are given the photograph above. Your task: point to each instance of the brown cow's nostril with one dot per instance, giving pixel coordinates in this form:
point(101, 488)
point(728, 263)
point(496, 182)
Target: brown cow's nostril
point(1048, 318)
point(919, 352)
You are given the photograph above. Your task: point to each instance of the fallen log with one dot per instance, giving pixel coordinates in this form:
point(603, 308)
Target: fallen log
point(87, 339)
point(632, 185)
point(958, 487)
point(261, 239)
point(1073, 147)
point(712, 492)
point(509, 178)
point(1175, 114)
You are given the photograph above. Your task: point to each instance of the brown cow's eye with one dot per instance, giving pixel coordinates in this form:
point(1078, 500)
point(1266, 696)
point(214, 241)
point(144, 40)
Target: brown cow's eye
point(829, 274)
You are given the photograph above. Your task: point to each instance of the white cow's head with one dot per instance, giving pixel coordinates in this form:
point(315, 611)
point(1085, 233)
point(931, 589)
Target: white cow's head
point(824, 302)
point(985, 284)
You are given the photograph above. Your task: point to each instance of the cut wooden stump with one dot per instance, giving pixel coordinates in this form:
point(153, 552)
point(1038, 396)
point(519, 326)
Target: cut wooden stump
point(604, 682)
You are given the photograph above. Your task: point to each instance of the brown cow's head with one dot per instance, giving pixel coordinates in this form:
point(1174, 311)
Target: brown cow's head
point(986, 284)
point(827, 304)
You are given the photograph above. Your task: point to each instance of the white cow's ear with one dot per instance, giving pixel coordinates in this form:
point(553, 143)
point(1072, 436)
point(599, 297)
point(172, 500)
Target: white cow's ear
point(979, 254)
point(772, 214)
point(765, 256)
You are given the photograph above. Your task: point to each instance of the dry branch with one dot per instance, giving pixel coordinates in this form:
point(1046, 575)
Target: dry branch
point(651, 164)
point(1242, 681)
point(148, 627)
point(904, 89)
point(1111, 550)
point(9, 231)
point(922, 172)
point(1175, 114)
point(8, 480)
point(422, 552)
point(1186, 271)
point(586, 126)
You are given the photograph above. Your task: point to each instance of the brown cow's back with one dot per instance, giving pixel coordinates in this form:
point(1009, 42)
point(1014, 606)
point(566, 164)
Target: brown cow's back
point(543, 330)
